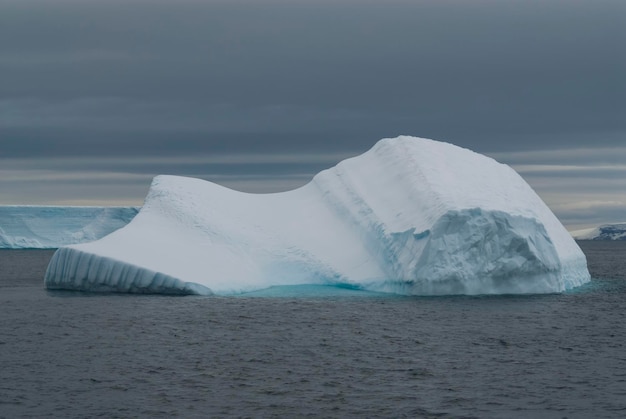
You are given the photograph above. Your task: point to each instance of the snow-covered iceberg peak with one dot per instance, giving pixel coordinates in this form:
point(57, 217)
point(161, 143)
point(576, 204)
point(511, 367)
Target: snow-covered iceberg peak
point(410, 216)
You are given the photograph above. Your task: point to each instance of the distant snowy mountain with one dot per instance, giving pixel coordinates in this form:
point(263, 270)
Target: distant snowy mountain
point(410, 216)
point(50, 227)
point(615, 231)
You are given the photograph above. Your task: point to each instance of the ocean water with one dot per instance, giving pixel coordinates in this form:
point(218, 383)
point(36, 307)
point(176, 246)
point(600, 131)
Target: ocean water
point(315, 352)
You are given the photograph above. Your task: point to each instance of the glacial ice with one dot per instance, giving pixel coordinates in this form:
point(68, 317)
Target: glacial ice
point(410, 216)
point(615, 231)
point(50, 227)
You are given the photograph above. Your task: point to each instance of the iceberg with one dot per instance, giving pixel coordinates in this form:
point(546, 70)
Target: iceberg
point(615, 231)
point(50, 227)
point(410, 216)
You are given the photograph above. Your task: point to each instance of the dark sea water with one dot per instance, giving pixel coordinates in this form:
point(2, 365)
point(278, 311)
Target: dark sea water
point(348, 354)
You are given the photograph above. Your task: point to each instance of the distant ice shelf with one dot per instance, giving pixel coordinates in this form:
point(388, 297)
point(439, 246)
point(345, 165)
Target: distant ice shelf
point(410, 216)
point(50, 227)
point(615, 231)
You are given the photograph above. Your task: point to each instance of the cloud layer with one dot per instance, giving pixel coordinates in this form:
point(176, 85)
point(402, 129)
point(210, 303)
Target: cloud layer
point(99, 96)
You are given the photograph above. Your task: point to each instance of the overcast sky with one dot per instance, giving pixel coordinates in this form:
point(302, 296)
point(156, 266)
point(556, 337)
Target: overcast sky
point(97, 97)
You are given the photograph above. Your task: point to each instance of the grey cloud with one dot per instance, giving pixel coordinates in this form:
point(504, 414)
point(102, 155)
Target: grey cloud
point(472, 73)
point(110, 83)
point(54, 188)
point(581, 173)
point(594, 215)
point(115, 141)
point(569, 156)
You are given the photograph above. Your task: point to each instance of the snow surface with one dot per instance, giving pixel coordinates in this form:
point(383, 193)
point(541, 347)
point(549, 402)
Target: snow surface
point(410, 216)
point(50, 227)
point(616, 231)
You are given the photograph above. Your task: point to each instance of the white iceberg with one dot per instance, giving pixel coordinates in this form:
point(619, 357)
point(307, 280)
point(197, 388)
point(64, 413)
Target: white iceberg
point(49, 227)
point(410, 216)
point(615, 231)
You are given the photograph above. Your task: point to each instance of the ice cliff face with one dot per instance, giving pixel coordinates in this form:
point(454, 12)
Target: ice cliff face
point(410, 216)
point(49, 227)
